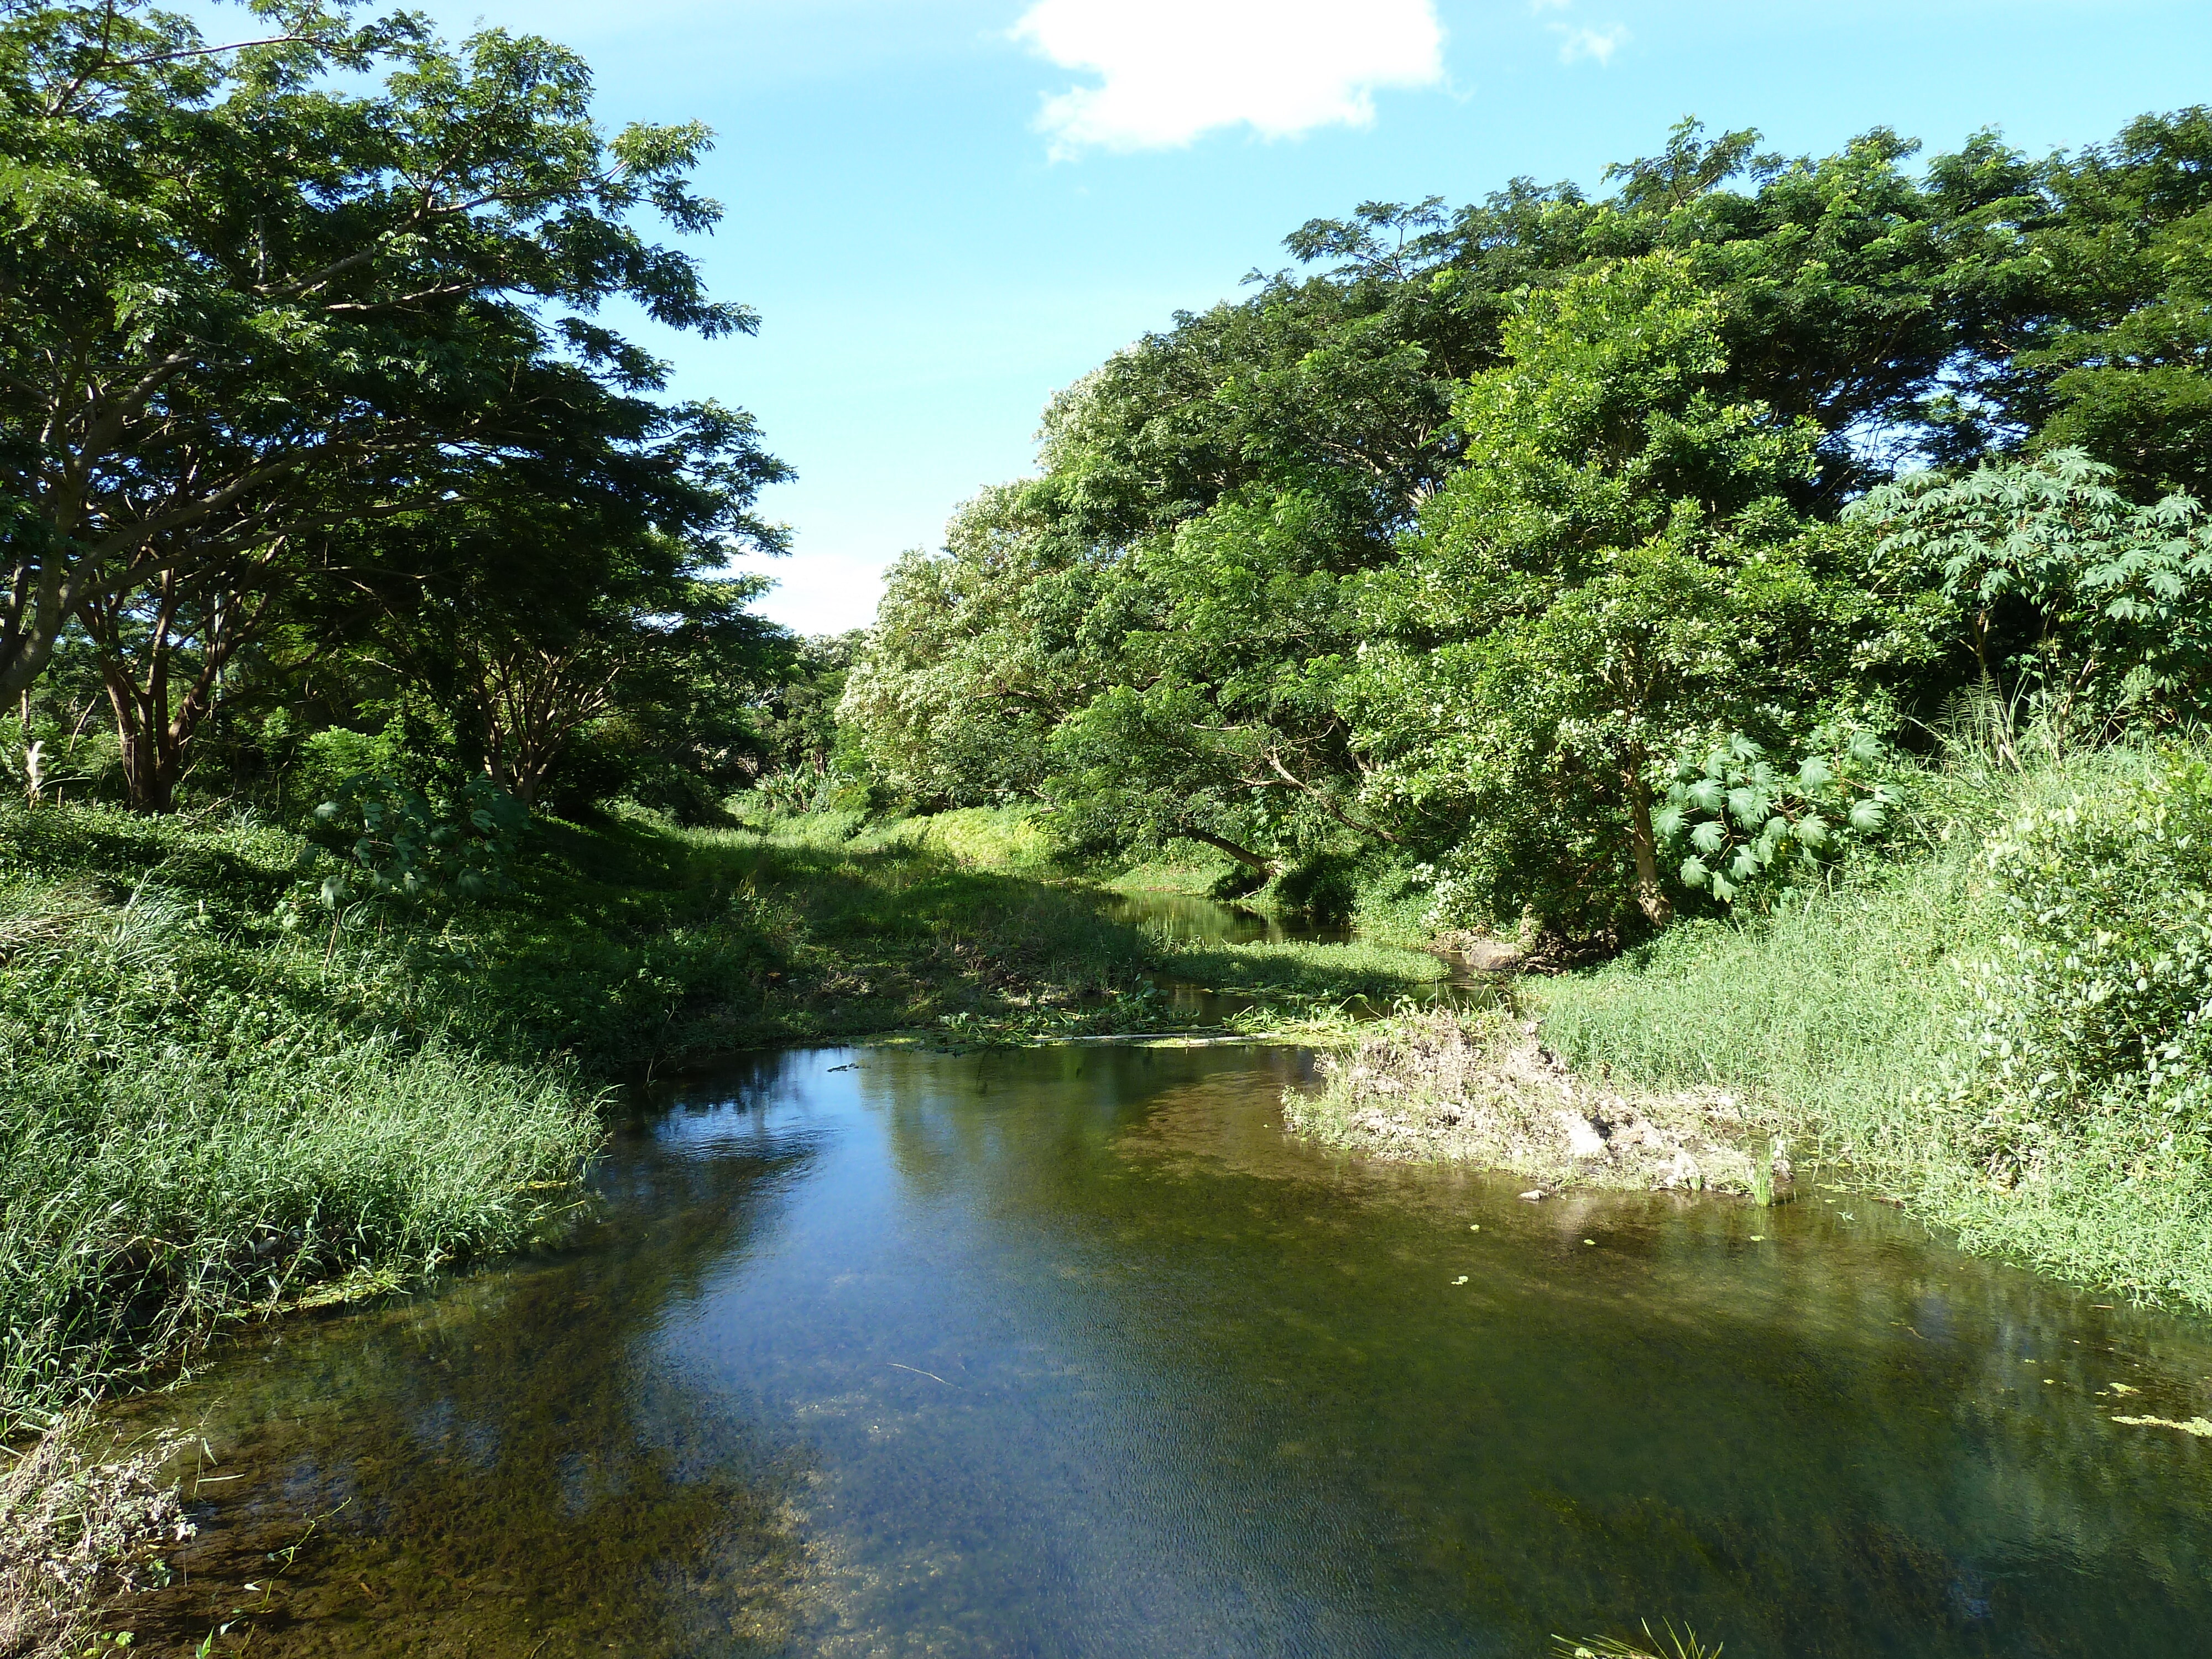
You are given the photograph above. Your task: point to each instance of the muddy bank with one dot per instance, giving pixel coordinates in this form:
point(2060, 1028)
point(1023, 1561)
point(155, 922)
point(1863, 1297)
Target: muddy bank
point(1477, 1087)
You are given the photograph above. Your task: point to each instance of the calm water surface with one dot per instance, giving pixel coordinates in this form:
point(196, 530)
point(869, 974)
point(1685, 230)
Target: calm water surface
point(1069, 1352)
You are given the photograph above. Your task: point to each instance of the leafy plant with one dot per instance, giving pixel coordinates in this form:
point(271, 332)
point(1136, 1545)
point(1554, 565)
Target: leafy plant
point(2070, 598)
point(396, 844)
point(1742, 827)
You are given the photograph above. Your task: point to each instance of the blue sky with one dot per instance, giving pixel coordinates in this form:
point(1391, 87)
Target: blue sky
point(941, 224)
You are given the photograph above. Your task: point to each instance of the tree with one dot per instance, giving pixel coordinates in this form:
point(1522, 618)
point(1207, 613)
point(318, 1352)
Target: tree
point(541, 613)
point(164, 645)
point(979, 652)
point(1616, 568)
point(242, 302)
point(1218, 493)
point(2067, 598)
point(798, 712)
point(2120, 365)
point(1238, 514)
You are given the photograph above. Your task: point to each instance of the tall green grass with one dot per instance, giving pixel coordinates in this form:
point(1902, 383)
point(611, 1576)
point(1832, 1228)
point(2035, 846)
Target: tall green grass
point(1866, 1013)
point(1840, 1004)
point(184, 1139)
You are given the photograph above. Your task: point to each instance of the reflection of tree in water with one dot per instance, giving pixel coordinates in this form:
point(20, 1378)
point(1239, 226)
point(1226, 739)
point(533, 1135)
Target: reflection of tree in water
point(1843, 1446)
point(1202, 1390)
point(507, 1467)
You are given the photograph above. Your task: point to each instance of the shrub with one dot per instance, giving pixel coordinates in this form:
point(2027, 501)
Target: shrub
point(2095, 1010)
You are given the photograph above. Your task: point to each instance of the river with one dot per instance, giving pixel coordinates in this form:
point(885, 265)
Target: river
point(1069, 1351)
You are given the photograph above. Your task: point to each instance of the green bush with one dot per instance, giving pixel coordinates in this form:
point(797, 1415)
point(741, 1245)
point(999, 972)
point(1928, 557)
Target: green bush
point(2094, 1010)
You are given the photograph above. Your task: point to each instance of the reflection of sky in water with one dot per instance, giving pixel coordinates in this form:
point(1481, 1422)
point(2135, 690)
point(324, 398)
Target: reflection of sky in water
point(1067, 1350)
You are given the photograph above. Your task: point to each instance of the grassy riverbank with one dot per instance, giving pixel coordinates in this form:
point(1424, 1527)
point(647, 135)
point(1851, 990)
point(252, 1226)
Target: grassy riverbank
point(2003, 1024)
point(214, 1102)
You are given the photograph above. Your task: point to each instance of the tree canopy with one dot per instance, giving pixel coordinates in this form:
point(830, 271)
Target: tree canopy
point(303, 361)
point(1457, 539)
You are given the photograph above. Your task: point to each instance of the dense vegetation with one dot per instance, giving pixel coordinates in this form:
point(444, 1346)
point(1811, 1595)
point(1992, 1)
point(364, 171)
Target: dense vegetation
point(381, 692)
point(1450, 550)
point(1782, 581)
point(1778, 577)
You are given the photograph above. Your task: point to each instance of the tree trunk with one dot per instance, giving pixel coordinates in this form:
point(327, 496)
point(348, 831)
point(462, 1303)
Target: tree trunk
point(1650, 898)
point(152, 744)
point(529, 703)
point(1241, 855)
point(155, 735)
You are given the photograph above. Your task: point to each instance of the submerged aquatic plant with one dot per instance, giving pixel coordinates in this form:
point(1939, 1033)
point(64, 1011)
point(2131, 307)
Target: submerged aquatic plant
point(1762, 1175)
point(1677, 1644)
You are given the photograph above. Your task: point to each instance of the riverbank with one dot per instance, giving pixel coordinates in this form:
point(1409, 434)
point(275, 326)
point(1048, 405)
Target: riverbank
point(1479, 1088)
point(2005, 1026)
point(218, 1099)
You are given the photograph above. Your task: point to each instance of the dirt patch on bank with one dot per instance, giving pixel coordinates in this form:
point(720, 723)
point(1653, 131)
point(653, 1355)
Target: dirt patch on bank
point(1480, 1088)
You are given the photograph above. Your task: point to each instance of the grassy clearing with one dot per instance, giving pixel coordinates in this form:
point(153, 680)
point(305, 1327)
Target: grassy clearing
point(1845, 999)
point(1298, 972)
point(963, 923)
point(1192, 880)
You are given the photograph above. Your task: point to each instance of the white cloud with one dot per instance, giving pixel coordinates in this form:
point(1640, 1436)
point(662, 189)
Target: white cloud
point(1596, 44)
point(1170, 70)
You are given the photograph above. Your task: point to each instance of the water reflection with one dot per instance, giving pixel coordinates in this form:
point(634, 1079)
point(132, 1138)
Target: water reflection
point(508, 1466)
point(1069, 1350)
point(1187, 916)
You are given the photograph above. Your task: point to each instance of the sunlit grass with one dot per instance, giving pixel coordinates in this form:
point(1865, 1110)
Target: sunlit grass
point(184, 1143)
point(1842, 1012)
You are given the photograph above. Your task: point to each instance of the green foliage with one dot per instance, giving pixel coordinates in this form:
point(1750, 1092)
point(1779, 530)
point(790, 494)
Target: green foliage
point(976, 655)
point(1449, 540)
point(1140, 767)
point(308, 278)
point(805, 765)
point(2118, 269)
point(1741, 829)
point(2092, 1017)
point(1617, 562)
point(196, 1121)
point(2001, 1027)
point(397, 844)
point(2089, 609)
point(329, 760)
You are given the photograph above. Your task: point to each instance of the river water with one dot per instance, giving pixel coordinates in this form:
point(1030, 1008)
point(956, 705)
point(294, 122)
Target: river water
point(1070, 1351)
